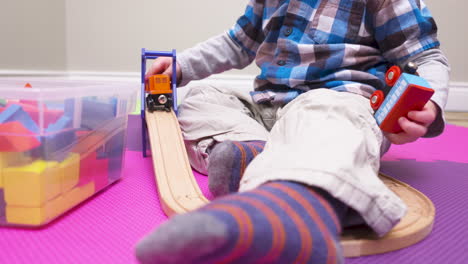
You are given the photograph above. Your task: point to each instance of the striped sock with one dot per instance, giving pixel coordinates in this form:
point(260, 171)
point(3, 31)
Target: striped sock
point(228, 161)
point(279, 222)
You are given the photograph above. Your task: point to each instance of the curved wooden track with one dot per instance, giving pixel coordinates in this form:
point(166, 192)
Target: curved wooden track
point(179, 192)
point(413, 227)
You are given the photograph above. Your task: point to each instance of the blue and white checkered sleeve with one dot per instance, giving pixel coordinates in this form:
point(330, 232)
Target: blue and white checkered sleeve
point(247, 32)
point(404, 28)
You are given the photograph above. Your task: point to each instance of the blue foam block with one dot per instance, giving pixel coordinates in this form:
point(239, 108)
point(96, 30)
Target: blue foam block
point(55, 144)
point(95, 113)
point(16, 113)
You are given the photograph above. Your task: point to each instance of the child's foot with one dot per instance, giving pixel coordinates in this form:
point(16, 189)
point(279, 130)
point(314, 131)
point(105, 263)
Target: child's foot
point(279, 222)
point(228, 161)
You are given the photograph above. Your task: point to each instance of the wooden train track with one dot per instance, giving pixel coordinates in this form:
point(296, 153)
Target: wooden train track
point(179, 192)
point(412, 228)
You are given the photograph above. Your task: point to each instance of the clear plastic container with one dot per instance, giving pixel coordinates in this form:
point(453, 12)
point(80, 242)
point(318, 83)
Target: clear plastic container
point(61, 141)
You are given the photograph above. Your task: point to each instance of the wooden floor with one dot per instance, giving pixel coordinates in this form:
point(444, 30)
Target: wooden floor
point(457, 118)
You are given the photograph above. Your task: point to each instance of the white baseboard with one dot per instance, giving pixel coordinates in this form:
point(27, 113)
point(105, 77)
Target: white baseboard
point(457, 100)
point(458, 97)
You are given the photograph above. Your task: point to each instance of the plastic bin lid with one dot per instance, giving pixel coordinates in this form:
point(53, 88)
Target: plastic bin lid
point(56, 89)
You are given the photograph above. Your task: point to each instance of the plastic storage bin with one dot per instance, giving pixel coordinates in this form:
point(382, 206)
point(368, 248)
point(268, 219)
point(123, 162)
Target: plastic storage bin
point(61, 141)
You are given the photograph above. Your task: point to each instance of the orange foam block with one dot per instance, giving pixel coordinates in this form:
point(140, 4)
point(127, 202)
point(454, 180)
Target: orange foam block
point(14, 137)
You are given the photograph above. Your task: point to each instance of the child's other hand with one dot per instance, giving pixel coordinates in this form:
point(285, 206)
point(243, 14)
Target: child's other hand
point(415, 126)
point(163, 65)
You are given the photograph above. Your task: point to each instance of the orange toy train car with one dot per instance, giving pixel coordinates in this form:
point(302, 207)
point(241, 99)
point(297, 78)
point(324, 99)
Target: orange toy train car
point(159, 91)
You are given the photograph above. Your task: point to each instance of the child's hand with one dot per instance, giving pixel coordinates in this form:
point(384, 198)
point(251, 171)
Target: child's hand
point(163, 65)
point(415, 126)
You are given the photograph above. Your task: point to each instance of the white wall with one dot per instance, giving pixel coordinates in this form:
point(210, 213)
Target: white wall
point(107, 35)
point(452, 21)
point(32, 35)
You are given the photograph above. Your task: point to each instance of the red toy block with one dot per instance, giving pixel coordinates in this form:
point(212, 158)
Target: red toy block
point(14, 137)
point(94, 169)
point(87, 169)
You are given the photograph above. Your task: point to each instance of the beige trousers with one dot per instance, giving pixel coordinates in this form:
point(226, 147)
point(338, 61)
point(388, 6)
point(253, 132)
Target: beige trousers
point(322, 138)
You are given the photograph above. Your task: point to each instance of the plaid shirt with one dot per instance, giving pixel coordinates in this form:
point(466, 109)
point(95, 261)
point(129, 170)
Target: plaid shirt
point(344, 45)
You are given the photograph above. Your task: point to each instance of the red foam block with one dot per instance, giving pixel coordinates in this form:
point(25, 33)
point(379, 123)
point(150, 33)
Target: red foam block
point(14, 137)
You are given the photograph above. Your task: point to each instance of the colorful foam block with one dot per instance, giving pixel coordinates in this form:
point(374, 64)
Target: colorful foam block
point(32, 185)
point(88, 142)
point(14, 112)
point(2, 206)
point(36, 183)
point(49, 115)
point(5, 160)
point(101, 176)
point(15, 137)
point(114, 151)
point(87, 168)
point(43, 214)
point(94, 169)
point(55, 144)
point(71, 171)
point(10, 159)
point(62, 123)
point(95, 113)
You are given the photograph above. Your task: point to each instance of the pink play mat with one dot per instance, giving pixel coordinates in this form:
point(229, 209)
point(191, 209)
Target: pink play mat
point(106, 228)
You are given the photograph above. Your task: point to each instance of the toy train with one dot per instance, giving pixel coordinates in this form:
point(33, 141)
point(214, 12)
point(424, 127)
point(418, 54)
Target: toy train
point(407, 92)
point(160, 97)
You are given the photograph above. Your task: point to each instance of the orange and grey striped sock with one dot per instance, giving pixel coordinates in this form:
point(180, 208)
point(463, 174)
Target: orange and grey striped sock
point(228, 161)
point(279, 222)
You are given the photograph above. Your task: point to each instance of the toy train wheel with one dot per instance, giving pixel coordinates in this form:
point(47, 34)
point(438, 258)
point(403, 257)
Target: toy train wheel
point(150, 103)
point(392, 75)
point(377, 99)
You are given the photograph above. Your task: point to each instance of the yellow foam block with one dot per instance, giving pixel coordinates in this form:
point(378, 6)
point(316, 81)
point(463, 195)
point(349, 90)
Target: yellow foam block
point(7, 159)
point(51, 209)
point(33, 215)
point(71, 171)
point(32, 185)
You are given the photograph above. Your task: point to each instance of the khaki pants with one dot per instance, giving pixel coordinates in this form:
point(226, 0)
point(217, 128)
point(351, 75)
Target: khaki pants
point(322, 138)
